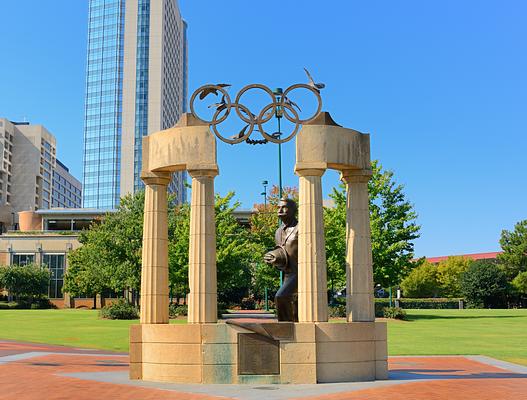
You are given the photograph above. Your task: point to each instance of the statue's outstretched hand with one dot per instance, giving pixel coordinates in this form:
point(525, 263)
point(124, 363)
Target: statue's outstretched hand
point(269, 258)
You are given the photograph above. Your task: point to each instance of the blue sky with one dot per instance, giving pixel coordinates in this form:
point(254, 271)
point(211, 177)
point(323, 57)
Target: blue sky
point(441, 86)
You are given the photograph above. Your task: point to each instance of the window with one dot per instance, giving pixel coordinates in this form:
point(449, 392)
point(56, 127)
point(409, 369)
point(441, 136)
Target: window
point(55, 263)
point(22, 259)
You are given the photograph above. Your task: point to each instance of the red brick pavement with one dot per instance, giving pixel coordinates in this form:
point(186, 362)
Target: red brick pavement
point(36, 377)
point(451, 378)
point(461, 379)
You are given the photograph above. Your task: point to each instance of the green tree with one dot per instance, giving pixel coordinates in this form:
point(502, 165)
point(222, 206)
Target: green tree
point(110, 258)
point(520, 283)
point(25, 282)
point(335, 235)
point(393, 229)
point(85, 275)
point(178, 246)
point(234, 252)
point(484, 284)
point(422, 282)
point(514, 245)
point(450, 273)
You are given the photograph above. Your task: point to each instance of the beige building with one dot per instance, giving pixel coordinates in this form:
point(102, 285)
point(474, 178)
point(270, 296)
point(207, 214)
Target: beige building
point(43, 240)
point(29, 158)
point(30, 171)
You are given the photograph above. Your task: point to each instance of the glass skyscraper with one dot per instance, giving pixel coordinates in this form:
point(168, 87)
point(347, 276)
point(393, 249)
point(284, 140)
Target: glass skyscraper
point(136, 84)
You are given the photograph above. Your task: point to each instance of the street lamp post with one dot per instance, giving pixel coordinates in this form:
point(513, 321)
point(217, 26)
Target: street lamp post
point(279, 114)
point(264, 193)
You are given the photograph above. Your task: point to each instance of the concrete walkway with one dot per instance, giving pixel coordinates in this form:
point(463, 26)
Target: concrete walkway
point(37, 371)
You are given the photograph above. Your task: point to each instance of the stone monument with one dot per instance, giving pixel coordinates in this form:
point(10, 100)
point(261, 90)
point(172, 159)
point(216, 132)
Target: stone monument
point(310, 350)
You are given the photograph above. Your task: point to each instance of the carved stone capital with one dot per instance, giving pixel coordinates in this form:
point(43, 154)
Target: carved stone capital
point(156, 178)
point(310, 172)
point(356, 175)
point(203, 173)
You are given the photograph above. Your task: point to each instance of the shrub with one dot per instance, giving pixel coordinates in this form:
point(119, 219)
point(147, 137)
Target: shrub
point(248, 303)
point(260, 305)
point(422, 282)
point(25, 282)
point(394, 313)
point(434, 303)
point(484, 284)
point(120, 309)
point(177, 310)
point(42, 303)
point(337, 311)
point(222, 308)
point(8, 306)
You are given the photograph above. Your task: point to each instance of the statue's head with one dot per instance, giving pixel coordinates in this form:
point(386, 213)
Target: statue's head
point(287, 209)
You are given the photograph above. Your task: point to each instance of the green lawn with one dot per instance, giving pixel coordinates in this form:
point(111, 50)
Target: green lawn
point(500, 334)
point(80, 328)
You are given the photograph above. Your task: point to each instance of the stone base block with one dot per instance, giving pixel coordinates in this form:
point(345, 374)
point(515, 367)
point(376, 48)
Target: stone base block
point(225, 353)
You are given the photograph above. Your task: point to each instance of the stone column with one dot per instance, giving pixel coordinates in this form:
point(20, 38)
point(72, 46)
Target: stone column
point(312, 276)
point(154, 273)
point(360, 304)
point(202, 299)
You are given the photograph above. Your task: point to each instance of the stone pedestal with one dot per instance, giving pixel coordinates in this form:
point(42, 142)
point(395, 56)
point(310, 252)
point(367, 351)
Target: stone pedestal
point(154, 273)
point(312, 277)
point(202, 299)
point(214, 353)
point(360, 304)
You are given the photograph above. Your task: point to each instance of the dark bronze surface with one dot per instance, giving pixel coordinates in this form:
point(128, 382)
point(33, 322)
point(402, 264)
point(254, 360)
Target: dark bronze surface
point(280, 330)
point(258, 355)
point(271, 330)
point(285, 258)
point(280, 105)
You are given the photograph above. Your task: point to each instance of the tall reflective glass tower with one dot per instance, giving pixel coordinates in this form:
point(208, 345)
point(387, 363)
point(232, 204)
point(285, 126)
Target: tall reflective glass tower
point(136, 84)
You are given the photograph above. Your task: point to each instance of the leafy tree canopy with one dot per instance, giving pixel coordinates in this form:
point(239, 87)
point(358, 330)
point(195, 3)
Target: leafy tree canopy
point(450, 273)
point(110, 258)
point(484, 284)
point(520, 283)
point(422, 282)
point(514, 244)
point(393, 229)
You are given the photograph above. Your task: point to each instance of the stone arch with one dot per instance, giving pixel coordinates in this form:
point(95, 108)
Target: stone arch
point(320, 145)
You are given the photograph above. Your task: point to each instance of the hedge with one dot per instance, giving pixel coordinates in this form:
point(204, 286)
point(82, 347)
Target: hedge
point(435, 303)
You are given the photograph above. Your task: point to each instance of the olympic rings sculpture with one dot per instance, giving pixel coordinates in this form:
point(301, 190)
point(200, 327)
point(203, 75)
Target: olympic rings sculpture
point(280, 105)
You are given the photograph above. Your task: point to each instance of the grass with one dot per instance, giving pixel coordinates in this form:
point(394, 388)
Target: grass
point(79, 328)
point(500, 334)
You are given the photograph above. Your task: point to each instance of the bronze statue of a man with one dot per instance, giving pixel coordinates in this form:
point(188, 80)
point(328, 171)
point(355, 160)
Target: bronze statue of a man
point(285, 258)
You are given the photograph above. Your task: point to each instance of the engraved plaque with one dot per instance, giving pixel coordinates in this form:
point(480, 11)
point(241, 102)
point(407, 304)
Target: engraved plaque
point(258, 355)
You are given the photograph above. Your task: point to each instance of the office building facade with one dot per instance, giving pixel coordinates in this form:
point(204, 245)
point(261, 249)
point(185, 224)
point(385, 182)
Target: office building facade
point(136, 84)
point(67, 190)
point(29, 170)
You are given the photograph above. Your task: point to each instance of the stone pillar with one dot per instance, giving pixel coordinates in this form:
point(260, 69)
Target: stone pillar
point(360, 304)
point(154, 273)
point(202, 299)
point(312, 276)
